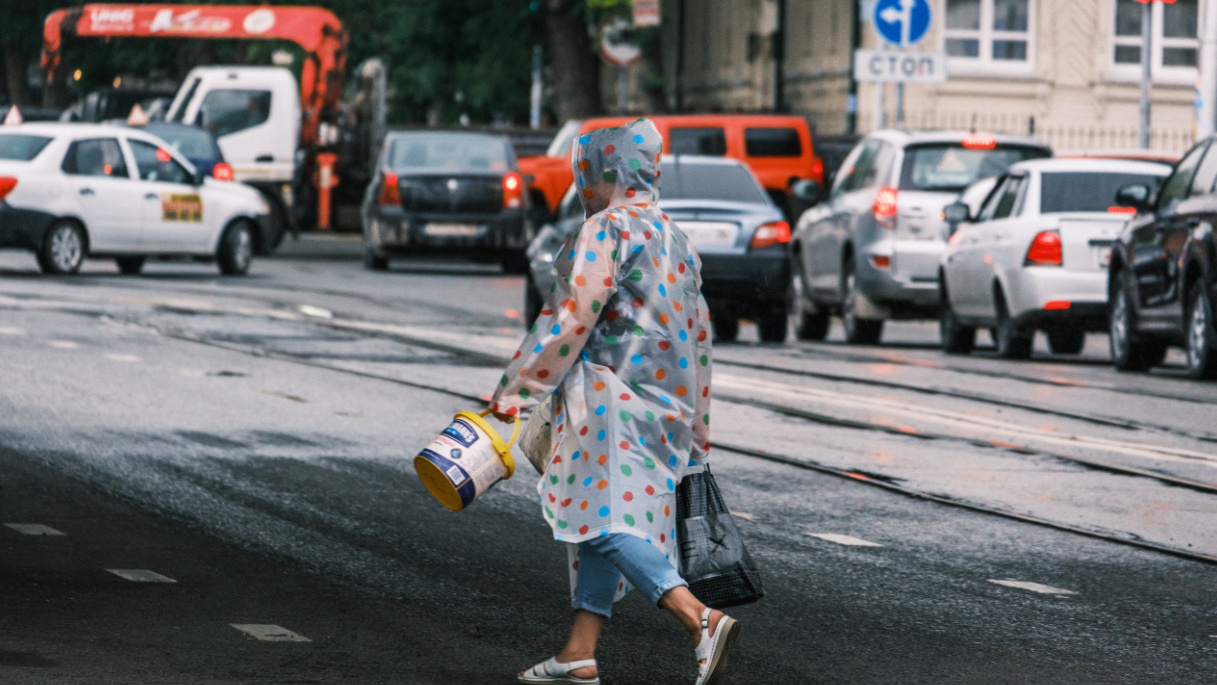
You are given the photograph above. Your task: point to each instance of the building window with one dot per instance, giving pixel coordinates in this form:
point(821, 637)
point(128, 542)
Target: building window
point(1174, 48)
point(989, 34)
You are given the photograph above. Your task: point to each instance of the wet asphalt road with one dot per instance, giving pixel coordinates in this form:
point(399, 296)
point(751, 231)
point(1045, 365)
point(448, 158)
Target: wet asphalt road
point(219, 435)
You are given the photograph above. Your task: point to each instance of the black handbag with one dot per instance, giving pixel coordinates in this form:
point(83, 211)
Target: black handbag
point(713, 559)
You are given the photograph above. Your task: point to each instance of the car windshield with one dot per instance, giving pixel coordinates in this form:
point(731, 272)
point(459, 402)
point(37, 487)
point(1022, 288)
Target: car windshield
point(191, 142)
point(21, 147)
point(441, 151)
point(951, 167)
point(1090, 191)
point(692, 181)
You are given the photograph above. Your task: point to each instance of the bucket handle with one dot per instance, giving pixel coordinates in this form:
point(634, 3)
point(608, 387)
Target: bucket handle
point(515, 430)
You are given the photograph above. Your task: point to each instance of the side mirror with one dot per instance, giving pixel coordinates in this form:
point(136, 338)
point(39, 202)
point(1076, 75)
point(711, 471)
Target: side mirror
point(808, 191)
point(197, 178)
point(957, 213)
point(1136, 195)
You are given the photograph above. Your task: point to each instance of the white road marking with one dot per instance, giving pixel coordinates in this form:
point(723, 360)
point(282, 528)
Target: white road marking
point(310, 310)
point(63, 344)
point(269, 633)
point(140, 575)
point(122, 358)
point(6, 330)
point(33, 529)
point(192, 373)
point(1033, 587)
point(742, 515)
point(845, 540)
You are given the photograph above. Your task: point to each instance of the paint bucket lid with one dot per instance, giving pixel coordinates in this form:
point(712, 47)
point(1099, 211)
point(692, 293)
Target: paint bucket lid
point(438, 484)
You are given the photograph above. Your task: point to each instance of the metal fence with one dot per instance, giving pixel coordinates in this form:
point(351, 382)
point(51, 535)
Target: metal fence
point(1059, 135)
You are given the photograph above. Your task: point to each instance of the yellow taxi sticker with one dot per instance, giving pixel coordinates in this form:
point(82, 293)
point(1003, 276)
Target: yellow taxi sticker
point(188, 207)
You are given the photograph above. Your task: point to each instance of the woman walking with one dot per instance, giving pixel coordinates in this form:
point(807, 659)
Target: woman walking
point(623, 344)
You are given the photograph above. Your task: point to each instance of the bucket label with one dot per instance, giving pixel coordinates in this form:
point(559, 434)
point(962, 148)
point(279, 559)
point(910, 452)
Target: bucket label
point(462, 432)
point(456, 475)
point(455, 453)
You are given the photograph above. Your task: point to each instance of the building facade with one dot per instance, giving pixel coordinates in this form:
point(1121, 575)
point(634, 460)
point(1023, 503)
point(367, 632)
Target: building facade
point(1068, 71)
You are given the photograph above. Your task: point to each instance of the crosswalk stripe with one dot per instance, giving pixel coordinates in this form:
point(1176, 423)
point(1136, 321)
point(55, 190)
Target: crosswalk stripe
point(848, 540)
point(33, 529)
point(140, 575)
point(1033, 587)
point(269, 632)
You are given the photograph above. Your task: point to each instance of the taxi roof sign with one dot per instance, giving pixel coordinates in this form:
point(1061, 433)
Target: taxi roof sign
point(13, 118)
point(137, 117)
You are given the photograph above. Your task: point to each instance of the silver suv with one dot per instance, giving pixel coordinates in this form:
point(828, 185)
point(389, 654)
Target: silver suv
point(869, 251)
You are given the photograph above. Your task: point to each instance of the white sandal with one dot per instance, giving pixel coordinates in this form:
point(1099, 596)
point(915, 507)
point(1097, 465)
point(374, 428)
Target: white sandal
point(712, 652)
point(553, 671)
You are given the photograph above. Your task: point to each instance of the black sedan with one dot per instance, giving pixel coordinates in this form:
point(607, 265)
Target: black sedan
point(1162, 281)
point(446, 192)
point(739, 233)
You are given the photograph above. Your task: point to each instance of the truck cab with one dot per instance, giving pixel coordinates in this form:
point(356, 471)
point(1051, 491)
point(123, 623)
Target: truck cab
point(254, 113)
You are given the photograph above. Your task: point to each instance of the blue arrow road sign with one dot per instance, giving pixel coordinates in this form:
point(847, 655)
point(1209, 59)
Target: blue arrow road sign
point(902, 22)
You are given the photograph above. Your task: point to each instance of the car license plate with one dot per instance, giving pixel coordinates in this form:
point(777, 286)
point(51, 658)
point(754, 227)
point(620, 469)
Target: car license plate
point(452, 230)
point(704, 233)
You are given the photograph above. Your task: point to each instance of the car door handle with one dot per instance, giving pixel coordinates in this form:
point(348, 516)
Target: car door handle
point(87, 191)
point(264, 158)
point(151, 196)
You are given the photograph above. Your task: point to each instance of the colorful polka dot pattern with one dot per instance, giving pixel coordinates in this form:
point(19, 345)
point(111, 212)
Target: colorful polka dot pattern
point(625, 156)
point(624, 341)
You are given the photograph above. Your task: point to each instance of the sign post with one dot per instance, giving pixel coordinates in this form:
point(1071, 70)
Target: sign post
point(900, 23)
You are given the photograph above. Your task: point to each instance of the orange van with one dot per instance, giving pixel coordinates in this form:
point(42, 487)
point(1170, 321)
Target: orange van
point(777, 147)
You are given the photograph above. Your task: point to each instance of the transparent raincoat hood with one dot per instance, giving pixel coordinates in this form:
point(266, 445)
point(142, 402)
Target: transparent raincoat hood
point(623, 157)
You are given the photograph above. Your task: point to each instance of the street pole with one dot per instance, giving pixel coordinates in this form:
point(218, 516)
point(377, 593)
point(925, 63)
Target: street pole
point(534, 113)
point(623, 87)
point(1206, 87)
point(1146, 74)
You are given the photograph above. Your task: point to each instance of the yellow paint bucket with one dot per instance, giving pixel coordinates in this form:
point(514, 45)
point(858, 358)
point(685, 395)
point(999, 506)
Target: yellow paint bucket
point(466, 459)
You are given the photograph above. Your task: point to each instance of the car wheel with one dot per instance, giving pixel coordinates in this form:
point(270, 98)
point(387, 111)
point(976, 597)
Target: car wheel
point(374, 261)
point(532, 302)
point(1201, 335)
point(236, 250)
point(63, 250)
point(1128, 352)
point(774, 325)
point(807, 325)
point(129, 266)
point(857, 331)
point(1066, 340)
point(1011, 342)
point(956, 337)
point(726, 328)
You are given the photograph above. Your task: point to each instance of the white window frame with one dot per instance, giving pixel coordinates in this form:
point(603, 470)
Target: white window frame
point(984, 64)
point(1161, 74)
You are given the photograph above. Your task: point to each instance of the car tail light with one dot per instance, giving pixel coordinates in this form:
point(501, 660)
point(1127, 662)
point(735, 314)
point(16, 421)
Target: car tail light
point(975, 141)
point(881, 261)
point(1045, 249)
point(1117, 209)
point(772, 233)
point(390, 192)
point(884, 208)
point(222, 172)
point(1057, 305)
point(7, 183)
point(817, 170)
point(513, 190)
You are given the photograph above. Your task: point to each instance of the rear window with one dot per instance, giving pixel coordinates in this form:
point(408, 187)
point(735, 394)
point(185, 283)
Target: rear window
point(448, 152)
point(772, 142)
point(21, 147)
point(731, 183)
point(950, 167)
point(705, 140)
point(1086, 191)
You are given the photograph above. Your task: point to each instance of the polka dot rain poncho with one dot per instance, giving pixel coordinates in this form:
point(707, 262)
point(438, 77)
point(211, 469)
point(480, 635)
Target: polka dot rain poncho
point(624, 343)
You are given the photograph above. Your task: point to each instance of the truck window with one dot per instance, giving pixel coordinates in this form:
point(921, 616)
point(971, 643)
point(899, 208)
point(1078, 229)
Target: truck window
point(772, 142)
point(180, 114)
point(709, 140)
point(228, 111)
point(98, 157)
point(156, 165)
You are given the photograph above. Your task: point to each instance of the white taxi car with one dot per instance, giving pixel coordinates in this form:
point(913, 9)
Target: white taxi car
point(68, 191)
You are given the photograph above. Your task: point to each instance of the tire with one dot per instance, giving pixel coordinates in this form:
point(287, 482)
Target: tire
point(235, 250)
point(533, 302)
point(857, 331)
point(63, 248)
point(1011, 343)
point(1201, 335)
point(774, 325)
point(1066, 340)
point(1128, 351)
point(129, 266)
point(726, 328)
point(956, 337)
point(807, 325)
point(373, 261)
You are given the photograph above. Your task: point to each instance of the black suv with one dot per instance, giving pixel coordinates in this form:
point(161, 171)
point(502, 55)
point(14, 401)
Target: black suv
point(1164, 269)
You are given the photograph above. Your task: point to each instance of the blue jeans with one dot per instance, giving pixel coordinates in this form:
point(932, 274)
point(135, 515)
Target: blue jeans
point(604, 559)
